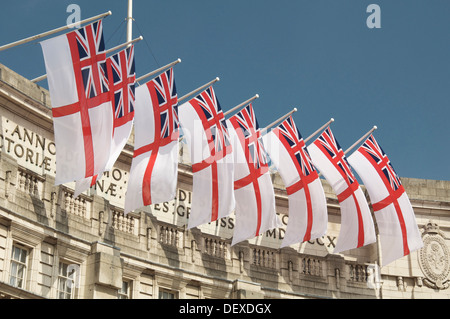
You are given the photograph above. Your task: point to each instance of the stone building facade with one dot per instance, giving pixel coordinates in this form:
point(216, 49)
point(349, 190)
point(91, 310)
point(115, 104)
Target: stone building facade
point(53, 245)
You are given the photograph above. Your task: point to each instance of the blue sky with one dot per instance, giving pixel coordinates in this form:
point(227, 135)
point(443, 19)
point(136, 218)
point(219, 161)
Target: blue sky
point(318, 56)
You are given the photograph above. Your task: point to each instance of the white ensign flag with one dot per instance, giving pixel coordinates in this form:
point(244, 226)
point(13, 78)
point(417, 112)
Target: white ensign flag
point(393, 212)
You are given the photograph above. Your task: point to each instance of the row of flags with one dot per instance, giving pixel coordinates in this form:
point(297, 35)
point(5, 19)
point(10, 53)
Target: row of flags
point(95, 105)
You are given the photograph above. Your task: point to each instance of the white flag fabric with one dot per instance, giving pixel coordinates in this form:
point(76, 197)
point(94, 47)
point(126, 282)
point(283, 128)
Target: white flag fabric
point(154, 168)
point(121, 78)
point(255, 198)
point(308, 216)
point(84, 184)
point(397, 226)
point(357, 226)
point(205, 129)
point(81, 104)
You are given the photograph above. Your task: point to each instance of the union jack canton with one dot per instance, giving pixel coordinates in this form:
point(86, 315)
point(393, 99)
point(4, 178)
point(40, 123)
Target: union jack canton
point(251, 139)
point(166, 93)
point(379, 156)
point(122, 78)
point(92, 59)
point(334, 150)
point(292, 136)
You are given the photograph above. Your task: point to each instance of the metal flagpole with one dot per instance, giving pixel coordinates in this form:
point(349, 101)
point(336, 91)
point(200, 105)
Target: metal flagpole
point(319, 130)
point(199, 89)
point(158, 70)
point(39, 78)
point(241, 105)
point(360, 140)
point(130, 21)
point(277, 121)
point(128, 43)
point(39, 36)
point(43, 77)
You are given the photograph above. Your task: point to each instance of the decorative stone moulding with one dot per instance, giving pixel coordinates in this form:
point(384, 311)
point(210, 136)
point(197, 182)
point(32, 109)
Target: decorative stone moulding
point(434, 258)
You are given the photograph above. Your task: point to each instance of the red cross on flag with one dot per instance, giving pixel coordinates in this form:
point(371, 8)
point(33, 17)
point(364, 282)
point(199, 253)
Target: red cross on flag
point(121, 81)
point(81, 103)
point(206, 132)
point(253, 189)
point(154, 168)
point(393, 212)
point(122, 78)
point(308, 215)
point(357, 227)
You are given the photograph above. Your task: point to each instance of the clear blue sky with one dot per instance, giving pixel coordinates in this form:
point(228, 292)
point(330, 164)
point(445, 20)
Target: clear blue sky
point(318, 56)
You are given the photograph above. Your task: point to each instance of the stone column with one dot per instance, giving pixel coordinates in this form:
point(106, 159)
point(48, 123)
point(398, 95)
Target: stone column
point(104, 272)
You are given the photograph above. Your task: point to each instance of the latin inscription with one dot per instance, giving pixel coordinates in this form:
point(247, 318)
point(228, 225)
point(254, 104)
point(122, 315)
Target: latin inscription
point(180, 209)
point(30, 149)
point(38, 154)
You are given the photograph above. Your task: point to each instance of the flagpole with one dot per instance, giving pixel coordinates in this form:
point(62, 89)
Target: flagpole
point(199, 89)
point(130, 21)
point(44, 34)
point(319, 130)
point(360, 140)
point(128, 43)
point(158, 70)
point(39, 78)
point(43, 77)
point(279, 120)
point(241, 105)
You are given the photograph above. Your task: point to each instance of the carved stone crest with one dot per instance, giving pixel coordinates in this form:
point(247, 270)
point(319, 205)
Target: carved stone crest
point(434, 258)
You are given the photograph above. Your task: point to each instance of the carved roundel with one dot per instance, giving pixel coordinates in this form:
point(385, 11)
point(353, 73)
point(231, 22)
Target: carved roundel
point(434, 259)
